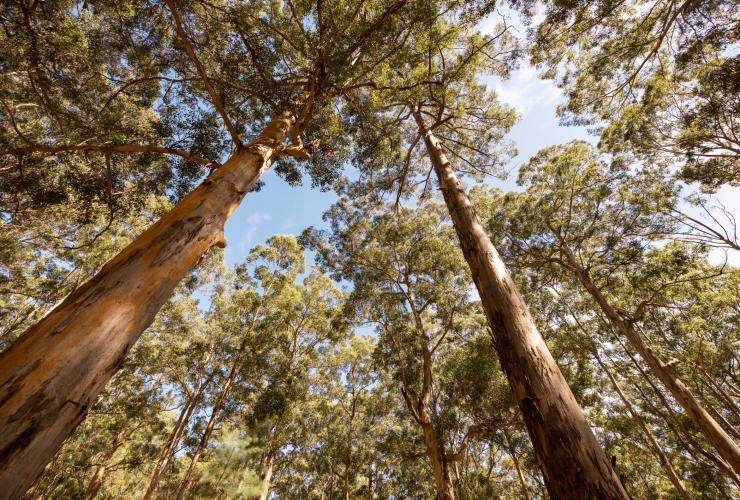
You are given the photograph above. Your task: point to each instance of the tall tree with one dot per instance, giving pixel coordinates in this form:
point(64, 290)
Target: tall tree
point(438, 101)
point(596, 222)
point(53, 373)
point(409, 281)
point(659, 76)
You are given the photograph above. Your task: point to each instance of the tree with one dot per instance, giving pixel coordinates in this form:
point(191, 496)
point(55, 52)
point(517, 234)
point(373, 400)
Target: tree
point(594, 220)
point(659, 77)
point(452, 112)
point(45, 392)
point(409, 281)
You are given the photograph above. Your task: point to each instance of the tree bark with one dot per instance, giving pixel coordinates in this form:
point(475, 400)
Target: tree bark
point(52, 374)
point(723, 443)
point(440, 465)
point(268, 465)
point(662, 457)
point(215, 414)
point(522, 480)
point(219, 404)
point(572, 462)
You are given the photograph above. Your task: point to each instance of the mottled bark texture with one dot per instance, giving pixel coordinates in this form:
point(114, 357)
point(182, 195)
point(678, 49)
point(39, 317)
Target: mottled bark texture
point(573, 464)
point(52, 374)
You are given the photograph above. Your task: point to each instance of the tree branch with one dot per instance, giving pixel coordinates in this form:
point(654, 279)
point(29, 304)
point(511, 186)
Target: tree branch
point(120, 148)
point(215, 98)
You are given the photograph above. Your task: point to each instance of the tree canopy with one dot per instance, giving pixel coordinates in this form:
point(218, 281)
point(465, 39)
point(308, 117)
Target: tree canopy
point(441, 332)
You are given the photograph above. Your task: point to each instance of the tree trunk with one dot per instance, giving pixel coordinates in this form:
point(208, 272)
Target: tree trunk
point(681, 432)
point(215, 413)
point(440, 466)
point(662, 457)
point(268, 465)
point(370, 492)
point(55, 370)
point(572, 462)
point(522, 481)
point(723, 443)
point(220, 402)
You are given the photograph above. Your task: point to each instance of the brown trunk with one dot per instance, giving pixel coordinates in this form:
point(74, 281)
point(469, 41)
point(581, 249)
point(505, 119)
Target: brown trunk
point(55, 370)
point(95, 483)
point(722, 442)
point(268, 465)
point(572, 462)
point(219, 404)
point(173, 440)
point(440, 465)
point(662, 457)
point(215, 413)
point(681, 432)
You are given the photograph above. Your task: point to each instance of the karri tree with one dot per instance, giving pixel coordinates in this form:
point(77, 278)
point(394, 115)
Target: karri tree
point(595, 219)
point(297, 60)
point(435, 103)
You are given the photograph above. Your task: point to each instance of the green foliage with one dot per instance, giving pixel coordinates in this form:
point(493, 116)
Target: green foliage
point(660, 77)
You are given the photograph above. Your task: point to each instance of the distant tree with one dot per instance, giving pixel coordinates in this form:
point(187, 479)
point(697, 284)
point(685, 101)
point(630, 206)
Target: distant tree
point(596, 221)
point(659, 78)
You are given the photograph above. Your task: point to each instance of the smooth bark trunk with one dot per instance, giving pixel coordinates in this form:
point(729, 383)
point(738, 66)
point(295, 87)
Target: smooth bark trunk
point(572, 462)
point(675, 423)
point(187, 480)
point(51, 375)
point(662, 457)
point(268, 465)
point(723, 443)
point(522, 480)
point(220, 402)
point(173, 440)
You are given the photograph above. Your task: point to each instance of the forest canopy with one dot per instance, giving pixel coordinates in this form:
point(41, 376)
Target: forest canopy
point(410, 308)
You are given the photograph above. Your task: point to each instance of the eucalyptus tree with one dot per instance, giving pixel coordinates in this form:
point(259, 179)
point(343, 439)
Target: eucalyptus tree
point(276, 324)
point(349, 408)
point(44, 259)
point(311, 322)
point(241, 312)
point(659, 76)
point(248, 62)
point(436, 98)
point(596, 220)
point(410, 281)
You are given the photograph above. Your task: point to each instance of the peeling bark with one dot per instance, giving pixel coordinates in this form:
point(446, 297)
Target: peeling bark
point(53, 373)
point(572, 462)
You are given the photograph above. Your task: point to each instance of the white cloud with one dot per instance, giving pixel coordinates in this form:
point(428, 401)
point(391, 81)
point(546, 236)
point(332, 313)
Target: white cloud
point(253, 223)
point(525, 90)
